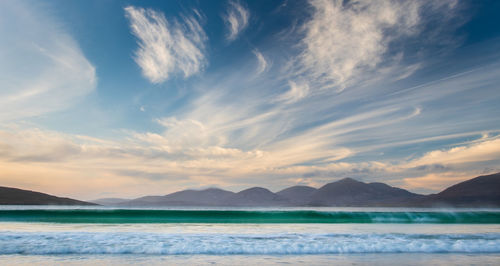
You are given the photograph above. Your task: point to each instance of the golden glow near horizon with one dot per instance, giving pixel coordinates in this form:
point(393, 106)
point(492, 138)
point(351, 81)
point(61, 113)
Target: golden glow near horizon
point(177, 95)
point(88, 168)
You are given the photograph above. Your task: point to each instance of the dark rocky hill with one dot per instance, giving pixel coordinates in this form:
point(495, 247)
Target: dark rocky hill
point(206, 197)
point(350, 192)
point(15, 196)
point(482, 191)
point(256, 196)
point(298, 195)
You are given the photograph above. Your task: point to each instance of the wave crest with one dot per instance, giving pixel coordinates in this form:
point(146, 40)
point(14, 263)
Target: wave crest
point(217, 244)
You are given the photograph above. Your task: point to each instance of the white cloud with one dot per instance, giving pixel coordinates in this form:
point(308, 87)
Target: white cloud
point(262, 62)
point(36, 145)
point(236, 142)
point(187, 134)
point(484, 150)
point(296, 92)
point(167, 47)
point(191, 154)
point(238, 132)
point(345, 40)
point(42, 68)
point(236, 19)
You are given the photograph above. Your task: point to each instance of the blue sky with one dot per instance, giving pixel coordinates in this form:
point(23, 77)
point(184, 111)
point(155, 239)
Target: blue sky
point(127, 98)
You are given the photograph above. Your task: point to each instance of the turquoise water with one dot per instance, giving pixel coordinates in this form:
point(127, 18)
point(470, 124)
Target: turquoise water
point(245, 216)
point(307, 236)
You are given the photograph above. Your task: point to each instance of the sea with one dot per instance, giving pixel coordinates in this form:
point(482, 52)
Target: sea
point(54, 235)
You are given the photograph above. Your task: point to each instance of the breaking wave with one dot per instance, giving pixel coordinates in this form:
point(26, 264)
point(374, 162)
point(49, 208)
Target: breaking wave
point(244, 216)
point(232, 244)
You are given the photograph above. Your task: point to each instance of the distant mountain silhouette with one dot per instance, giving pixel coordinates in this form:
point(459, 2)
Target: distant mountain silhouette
point(482, 191)
point(109, 201)
point(298, 195)
point(347, 192)
point(350, 192)
point(15, 196)
point(256, 196)
point(206, 197)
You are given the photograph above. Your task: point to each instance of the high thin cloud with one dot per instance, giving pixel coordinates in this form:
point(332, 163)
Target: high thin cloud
point(263, 65)
point(285, 125)
point(167, 47)
point(483, 150)
point(236, 19)
point(242, 141)
point(296, 92)
point(47, 73)
point(348, 39)
point(153, 164)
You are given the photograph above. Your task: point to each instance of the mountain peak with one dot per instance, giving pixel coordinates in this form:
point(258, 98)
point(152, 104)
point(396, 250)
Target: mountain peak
point(351, 192)
point(480, 191)
point(212, 189)
point(298, 195)
point(349, 180)
point(344, 182)
point(256, 196)
point(255, 190)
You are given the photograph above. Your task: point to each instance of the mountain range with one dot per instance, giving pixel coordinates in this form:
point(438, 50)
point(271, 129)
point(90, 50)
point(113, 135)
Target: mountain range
point(482, 191)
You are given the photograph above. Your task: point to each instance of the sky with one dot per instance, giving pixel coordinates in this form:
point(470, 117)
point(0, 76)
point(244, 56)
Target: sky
point(103, 98)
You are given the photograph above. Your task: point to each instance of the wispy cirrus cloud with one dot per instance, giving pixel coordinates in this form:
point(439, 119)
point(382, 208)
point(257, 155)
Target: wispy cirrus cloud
point(242, 141)
point(280, 127)
point(344, 41)
point(263, 64)
point(296, 92)
point(236, 19)
point(42, 68)
point(167, 47)
point(485, 149)
point(142, 164)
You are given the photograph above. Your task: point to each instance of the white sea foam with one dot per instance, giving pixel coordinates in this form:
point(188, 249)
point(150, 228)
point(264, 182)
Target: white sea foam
point(226, 244)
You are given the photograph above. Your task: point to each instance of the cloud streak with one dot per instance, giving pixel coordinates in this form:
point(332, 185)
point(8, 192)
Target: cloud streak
point(242, 141)
point(146, 163)
point(263, 65)
point(236, 19)
point(167, 47)
point(245, 123)
point(47, 73)
point(296, 92)
point(483, 150)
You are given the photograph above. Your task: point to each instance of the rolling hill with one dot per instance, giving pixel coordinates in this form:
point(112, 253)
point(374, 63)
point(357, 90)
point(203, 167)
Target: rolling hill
point(15, 196)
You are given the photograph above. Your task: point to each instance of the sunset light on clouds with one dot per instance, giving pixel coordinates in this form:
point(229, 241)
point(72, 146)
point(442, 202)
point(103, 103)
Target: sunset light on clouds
point(145, 97)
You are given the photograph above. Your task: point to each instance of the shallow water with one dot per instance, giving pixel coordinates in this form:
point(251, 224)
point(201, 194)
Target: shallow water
point(351, 259)
point(423, 241)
